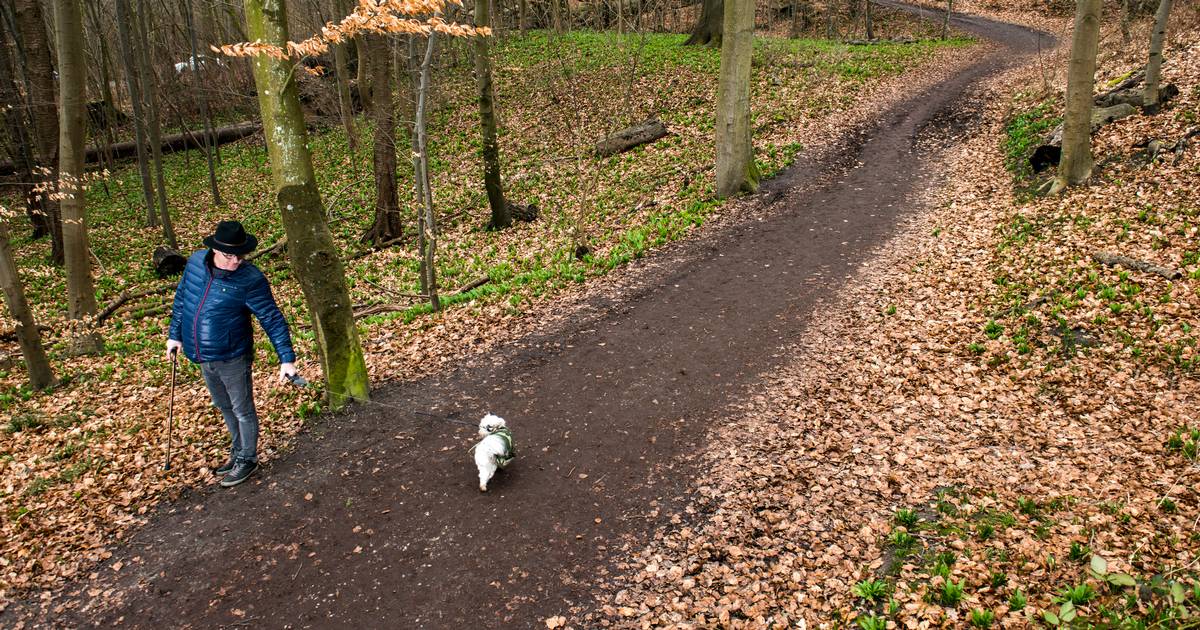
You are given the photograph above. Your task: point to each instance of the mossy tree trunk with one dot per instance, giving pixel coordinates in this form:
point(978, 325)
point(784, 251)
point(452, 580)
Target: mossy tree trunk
point(735, 155)
point(41, 375)
point(72, 81)
point(1154, 64)
point(311, 250)
point(501, 218)
point(1076, 163)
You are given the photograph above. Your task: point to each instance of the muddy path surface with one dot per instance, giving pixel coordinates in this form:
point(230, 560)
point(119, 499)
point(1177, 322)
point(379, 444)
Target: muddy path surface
point(375, 520)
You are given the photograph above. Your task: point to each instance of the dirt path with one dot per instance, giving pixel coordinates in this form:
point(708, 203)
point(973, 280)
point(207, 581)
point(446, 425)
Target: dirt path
point(374, 520)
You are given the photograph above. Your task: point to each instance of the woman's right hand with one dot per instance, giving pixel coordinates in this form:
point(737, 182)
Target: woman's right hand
point(173, 346)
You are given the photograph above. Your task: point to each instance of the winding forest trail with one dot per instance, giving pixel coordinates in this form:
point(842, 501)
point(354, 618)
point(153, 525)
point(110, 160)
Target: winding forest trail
point(374, 520)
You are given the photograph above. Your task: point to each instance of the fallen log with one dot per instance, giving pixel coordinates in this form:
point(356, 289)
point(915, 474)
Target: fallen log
point(1109, 259)
point(627, 139)
point(11, 335)
point(275, 247)
point(126, 296)
point(1136, 97)
point(170, 144)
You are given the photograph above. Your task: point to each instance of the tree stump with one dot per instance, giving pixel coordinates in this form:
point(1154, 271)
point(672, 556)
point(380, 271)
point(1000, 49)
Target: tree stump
point(168, 262)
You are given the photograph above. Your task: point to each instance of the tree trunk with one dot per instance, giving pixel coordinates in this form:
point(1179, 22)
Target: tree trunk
point(43, 111)
point(735, 156)
point(428, 224)
point(41, 375)
point(1076, 163)
point(870, 22)
point(364, 79)
point(107, 135)
point(72, 79)
point(1150, 102)
point(523, 16)
point(341, 68)
point(830, 31)
point(387, 224)
point(501, 218)
point(311, 250)
point(707, 31)
point(1126, 22)
point(204, 113)
point(150, 93)
point(414, 67)
point(133, 81)
point(795, 19)
point(946, 20)
point(556, 15)
point(20, 145)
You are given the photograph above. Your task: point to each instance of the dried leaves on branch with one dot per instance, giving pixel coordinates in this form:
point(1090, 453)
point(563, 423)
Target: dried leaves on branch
point(370, 16)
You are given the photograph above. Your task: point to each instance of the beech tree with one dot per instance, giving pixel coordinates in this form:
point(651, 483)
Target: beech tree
point(311, 250)
point(387, 225)
point(1150, 102)
point(501, 217)
point(209, 140)
point(150, 94)
point(1076, 163)
point(709, 26)
point(72, 80)
point(133, 82)
point(735, 155)
point(38, 70)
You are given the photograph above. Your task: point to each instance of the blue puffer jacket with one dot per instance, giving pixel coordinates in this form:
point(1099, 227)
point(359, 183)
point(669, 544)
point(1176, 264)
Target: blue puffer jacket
point(211, 315)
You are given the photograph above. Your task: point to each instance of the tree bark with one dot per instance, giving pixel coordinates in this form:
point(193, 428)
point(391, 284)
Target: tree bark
point(428, 225)
point(946, 20)
point(72, 79)
point(708, 29)
point(133, 81)
point(1076, 163)
point(735, 156)
point(501, 218)
point(209, 149)
point(870, 22)
point(387, 225)
point(41, 375)
point(1150, 103)
point(311, 250)
point(20, 145)
point(108, 135)
point(43, 111)
point(150, 93)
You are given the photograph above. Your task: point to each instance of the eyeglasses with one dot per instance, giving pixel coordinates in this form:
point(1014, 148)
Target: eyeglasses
point(235, 256)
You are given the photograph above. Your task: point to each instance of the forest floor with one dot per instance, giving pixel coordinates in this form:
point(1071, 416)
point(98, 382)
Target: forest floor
point(892, 388)
point(80, 464)
point(370, 519)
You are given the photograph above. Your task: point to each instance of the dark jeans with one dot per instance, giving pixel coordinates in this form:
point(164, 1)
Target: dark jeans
point(232, 390)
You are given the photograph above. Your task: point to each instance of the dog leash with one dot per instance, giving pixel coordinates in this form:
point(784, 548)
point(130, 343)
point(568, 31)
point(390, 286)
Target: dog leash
point(301, 382)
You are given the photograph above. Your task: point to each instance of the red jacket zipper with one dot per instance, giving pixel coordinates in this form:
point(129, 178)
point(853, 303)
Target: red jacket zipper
point(196, 320)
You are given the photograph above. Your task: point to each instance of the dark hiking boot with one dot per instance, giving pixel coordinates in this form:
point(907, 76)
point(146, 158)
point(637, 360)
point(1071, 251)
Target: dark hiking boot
point(225, 468)
point(241, 472)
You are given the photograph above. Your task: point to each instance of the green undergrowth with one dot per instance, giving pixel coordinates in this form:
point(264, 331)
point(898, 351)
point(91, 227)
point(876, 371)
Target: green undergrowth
point(1022, 133)
point(962, 552)
point(557, 95)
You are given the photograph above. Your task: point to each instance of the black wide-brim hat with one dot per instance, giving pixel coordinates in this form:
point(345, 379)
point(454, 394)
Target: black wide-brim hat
point(231, 238)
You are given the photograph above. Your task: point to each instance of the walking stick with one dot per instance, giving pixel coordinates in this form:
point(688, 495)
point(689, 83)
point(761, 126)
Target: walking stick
point(171, 409)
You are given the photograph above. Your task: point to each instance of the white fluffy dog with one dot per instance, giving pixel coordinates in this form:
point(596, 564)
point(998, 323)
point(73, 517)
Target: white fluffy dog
point(495, 450)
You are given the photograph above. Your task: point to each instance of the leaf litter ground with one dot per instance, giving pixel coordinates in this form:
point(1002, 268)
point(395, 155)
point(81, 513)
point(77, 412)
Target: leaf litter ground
point(989, 427)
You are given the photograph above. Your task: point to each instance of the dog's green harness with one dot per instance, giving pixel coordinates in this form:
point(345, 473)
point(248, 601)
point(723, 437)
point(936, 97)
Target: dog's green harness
point(510, 453)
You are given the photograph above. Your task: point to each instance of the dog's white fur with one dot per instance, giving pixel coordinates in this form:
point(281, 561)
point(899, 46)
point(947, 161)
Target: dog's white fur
point(489, 448)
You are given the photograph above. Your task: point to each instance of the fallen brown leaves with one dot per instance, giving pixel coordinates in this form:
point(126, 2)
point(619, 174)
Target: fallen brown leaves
point(899, 398)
